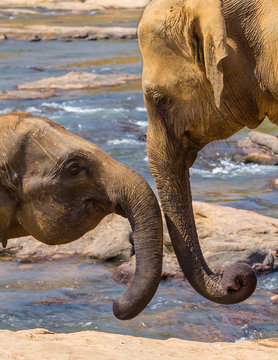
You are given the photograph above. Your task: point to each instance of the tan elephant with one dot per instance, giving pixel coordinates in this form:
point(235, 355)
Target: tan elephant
point(56, 186)
point(210, 67)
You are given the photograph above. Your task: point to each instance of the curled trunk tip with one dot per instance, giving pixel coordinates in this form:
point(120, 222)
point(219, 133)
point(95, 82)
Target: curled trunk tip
point(239, 281)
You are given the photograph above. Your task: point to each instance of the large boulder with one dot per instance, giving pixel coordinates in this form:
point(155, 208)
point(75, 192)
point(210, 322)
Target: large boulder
point(110, 240)
point(227, 235)
point(258, 148)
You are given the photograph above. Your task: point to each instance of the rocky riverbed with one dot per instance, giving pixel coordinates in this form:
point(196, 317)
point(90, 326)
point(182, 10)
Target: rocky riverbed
point(78, 20)
point(78, 5)
point(227, 235)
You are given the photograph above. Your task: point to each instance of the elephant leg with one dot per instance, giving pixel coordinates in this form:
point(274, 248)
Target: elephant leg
point(170, 160)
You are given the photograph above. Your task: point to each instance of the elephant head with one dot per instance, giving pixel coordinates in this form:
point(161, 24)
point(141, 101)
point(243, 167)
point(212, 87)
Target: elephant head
point(184, 49)
point(56, 186)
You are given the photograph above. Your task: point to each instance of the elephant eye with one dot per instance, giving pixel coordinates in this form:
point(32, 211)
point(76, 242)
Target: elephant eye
point(161, 101)
point(73, 168)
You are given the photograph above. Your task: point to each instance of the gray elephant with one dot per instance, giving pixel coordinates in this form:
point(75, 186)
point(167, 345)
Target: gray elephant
point(56, 186)
point(210, 67)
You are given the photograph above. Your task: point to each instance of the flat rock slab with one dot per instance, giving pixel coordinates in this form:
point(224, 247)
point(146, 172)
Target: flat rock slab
point(79, 80)
point(170, 270)
point(258, 148)
point(25, 94)
point(69, 33)
point(227, 235)
point(86, 5)
point(16, 12)
point(45, 344)
point(109, 240)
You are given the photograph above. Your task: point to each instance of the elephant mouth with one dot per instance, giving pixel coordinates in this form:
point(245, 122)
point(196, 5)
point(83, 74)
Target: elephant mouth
point(91, 205)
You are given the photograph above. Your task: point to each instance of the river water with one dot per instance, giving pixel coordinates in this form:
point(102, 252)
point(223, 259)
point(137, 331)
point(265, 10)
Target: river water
point(76, 294)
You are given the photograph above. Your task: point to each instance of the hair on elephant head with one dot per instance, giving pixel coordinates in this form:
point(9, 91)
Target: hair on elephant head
point(209, 69)
point(56, 186)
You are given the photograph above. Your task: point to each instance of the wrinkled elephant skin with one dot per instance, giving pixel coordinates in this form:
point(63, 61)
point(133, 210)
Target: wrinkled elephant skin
point(210, 67)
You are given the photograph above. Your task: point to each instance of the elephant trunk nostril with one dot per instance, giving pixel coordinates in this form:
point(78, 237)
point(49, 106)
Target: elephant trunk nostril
point(234, 287)
point(239, 282)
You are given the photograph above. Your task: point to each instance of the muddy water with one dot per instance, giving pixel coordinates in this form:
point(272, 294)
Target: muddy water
point(77, 294)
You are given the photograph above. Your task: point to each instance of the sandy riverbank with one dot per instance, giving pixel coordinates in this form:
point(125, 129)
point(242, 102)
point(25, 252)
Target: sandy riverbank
point(29, 344)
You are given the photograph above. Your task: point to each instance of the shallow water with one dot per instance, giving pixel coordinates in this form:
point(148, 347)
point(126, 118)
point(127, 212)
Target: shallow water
point(76, 294)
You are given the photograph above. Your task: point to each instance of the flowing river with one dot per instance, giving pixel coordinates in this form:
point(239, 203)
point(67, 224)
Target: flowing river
point(77, 294)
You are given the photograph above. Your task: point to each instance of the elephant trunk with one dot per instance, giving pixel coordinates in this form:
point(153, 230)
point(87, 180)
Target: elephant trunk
point(237, 282)
point(135, 200)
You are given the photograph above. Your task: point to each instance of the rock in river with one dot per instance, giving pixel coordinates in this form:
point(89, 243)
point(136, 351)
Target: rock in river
point(274, 184)
point(59, 32)
point(109, 240)
point(79, 80)
point(259, 148)
point(227, 235)
point(74, 80)
point(77, 5)
point(25, 94)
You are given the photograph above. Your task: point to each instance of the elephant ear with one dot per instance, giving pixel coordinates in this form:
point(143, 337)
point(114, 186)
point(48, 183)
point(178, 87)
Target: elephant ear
point(7, 212)
point(206, 32)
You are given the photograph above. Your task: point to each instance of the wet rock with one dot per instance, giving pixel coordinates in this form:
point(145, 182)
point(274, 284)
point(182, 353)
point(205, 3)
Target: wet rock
point(109, 241)
point(274, 299)
point(258, 148)
point(45, 88)
point(170, 270)
point(49, 38)
point(67, 33)
point(92, 37)
point(267, 265)
point(79, 80)
point(25, 94)
point(36, 68)
point(227, 235)
point(142, 137)
point(3, 37)
point(67, 38)
point(16, 11)
point(35, 38)
point(80, 36)
point(274, 184)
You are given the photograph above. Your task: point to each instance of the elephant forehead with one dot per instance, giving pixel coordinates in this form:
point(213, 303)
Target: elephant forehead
point(49, 141)
point(171, 76)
